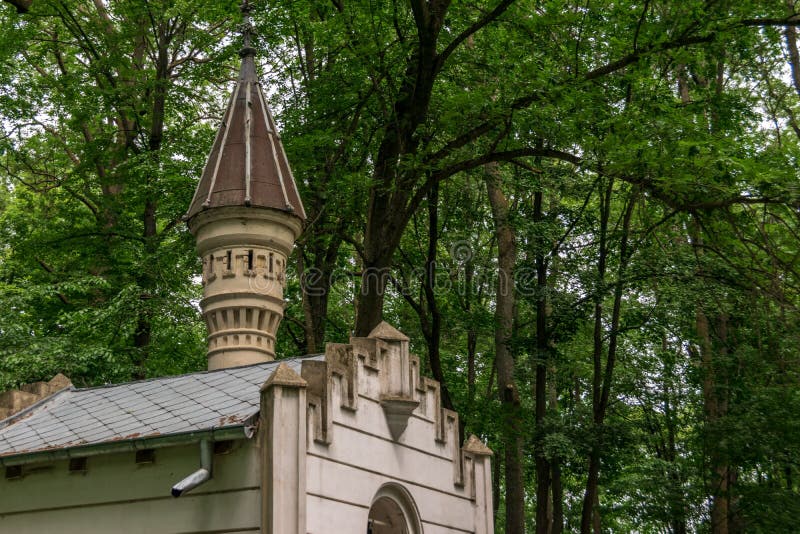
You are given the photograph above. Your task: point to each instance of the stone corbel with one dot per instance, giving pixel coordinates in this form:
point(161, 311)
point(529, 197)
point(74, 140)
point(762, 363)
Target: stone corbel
point(398, 410)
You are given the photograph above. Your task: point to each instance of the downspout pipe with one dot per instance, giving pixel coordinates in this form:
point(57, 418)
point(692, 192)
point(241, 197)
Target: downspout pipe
point(201, 475)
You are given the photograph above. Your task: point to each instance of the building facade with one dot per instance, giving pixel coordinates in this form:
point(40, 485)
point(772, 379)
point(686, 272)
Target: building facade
point(354, 440)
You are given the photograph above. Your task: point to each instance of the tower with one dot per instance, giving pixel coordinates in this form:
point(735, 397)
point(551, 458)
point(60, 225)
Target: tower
point(245, 215)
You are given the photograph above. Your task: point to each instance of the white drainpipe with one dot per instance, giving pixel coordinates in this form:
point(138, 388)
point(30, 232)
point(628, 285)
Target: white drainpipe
point(201, 475)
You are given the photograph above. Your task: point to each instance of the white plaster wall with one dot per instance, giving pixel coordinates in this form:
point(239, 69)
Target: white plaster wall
point(344, 475)
point(117, 495)
point(330, 516)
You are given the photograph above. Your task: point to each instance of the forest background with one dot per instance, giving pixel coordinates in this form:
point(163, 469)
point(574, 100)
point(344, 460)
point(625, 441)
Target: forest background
point(584, 214)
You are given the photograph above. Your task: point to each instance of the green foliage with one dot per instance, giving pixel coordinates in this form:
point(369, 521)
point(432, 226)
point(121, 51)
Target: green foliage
point(99, 150)
point(683, 111)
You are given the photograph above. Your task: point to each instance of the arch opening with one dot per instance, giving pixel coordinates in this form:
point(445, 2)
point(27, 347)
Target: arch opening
point(393, 512)
point(386, 517)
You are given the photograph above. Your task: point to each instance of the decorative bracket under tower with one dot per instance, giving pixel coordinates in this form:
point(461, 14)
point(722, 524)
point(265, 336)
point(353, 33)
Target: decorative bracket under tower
point(245, 215)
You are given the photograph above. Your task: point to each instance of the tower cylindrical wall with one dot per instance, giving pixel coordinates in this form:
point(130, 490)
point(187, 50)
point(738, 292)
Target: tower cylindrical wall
point(244, 253)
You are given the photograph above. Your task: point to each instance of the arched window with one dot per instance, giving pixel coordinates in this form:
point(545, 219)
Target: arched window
point(393, 512)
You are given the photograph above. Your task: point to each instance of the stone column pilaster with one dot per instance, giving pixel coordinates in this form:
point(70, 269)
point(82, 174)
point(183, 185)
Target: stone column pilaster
point(283, 450)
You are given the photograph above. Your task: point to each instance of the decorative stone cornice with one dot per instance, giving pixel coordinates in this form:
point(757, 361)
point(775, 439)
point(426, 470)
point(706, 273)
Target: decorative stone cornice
point(284, 376)
point(380, 369)
point(475, 446)
point(398, 410)
point(387, 332)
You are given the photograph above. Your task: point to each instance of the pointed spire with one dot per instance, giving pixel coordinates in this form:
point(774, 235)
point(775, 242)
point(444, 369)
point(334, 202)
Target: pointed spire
point(245, 216)
point(247, 28)
point(247, 165)
point(247, 52)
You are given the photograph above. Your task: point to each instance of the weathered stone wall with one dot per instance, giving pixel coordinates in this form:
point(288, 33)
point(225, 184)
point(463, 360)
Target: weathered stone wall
point(16, 400)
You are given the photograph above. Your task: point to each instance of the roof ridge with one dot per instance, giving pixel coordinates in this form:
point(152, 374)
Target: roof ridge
point(193, 373)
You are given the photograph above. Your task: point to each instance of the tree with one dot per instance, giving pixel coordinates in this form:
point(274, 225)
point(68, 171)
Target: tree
point(99, 96)
point(584, 217)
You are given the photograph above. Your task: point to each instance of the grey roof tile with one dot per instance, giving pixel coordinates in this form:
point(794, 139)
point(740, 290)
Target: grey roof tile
point(156, 407)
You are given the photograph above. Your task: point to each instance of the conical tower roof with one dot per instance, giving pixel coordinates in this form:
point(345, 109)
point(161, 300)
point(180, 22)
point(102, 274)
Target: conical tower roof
point(247, 165)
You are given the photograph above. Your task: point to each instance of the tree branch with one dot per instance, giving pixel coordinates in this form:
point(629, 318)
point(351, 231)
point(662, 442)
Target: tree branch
point(23, 6)
point(460, 38)
point(508, 155)
point(50, 270)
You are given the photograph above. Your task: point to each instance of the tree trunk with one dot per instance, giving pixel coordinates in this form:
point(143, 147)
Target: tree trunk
point(315, 286)
point(472, 334)
point(591, 494)
point(602, 377)
point(558, 498)
point(712, 409)
point(543, 470)
point(715, 404)
point(677, 508)
point(369, 306)
point(143, 335)
point(142, 338)
point(22, 6)
point(504, 360)
point(557, 519)
point(433, 334)
point(316, 282)
point(390, 203)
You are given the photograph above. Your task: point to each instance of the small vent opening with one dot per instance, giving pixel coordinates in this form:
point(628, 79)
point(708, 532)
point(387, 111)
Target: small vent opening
point(77, 465)
point(13, 472)
point(145, 456)
point(223, 447)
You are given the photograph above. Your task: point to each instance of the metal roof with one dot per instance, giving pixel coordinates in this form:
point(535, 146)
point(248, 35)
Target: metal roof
point(140, 410)
point(247, 165)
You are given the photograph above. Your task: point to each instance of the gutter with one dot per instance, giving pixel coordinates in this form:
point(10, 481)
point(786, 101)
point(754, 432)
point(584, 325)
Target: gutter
point(243, 431)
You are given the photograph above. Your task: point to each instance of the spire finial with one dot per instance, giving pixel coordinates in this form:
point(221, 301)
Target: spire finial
point(247, 27)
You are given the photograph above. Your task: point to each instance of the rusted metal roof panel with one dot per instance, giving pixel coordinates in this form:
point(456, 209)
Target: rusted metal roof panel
point(247, 165)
